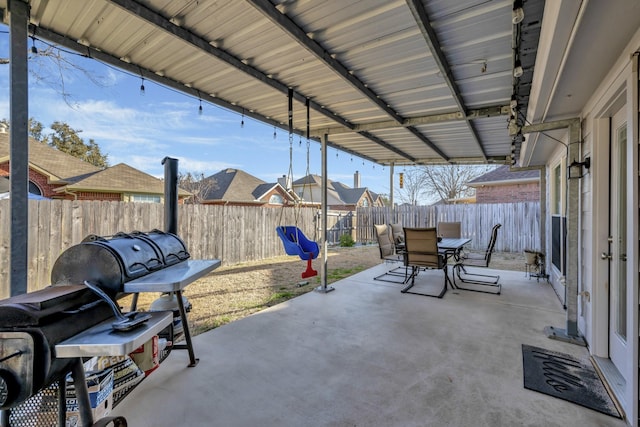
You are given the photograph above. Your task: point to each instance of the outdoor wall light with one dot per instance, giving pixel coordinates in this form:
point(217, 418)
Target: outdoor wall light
point(517, 15)
point(575, 168)
point(518, 71)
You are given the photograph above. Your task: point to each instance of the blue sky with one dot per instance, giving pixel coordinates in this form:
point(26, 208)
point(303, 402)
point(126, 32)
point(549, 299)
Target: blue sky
point(142, 130)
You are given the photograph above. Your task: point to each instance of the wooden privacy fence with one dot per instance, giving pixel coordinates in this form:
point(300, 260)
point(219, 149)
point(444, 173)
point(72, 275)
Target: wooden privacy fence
point(338, 223)
point(232, 234)
point(236, 234)
point(520, 222)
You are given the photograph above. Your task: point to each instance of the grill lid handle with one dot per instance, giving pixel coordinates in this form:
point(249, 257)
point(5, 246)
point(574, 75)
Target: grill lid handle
point(124, 322)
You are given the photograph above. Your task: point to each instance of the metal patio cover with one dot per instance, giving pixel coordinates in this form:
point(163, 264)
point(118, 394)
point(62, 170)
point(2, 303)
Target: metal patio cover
point(391, 81)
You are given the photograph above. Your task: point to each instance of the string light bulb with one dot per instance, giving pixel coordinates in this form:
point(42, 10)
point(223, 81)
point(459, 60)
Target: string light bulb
point(274, 132)
point(142, 92)
point(517, 15)
point(200, 108)
point(518, 71)
point(34, 49)
point(242, 120)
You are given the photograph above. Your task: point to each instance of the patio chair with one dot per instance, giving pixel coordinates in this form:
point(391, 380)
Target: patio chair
point(397, 235)
point(388, 254)
point(484, 282)
point(451, 230)
point(421, 252)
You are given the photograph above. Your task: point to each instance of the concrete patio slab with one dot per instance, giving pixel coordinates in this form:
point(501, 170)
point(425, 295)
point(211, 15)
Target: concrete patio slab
point(367, 355)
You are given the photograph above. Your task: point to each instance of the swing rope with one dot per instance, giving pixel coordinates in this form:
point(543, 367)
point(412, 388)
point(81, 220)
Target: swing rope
point(295, 242)
point(308, 172)
point(289, 178)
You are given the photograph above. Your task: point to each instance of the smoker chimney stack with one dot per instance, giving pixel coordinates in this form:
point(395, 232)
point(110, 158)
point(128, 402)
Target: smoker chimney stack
point(356, 180)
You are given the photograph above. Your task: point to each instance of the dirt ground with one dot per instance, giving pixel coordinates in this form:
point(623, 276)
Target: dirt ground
point(235, 291)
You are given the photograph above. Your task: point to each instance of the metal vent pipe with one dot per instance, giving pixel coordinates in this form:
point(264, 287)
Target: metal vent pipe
point(170, 195)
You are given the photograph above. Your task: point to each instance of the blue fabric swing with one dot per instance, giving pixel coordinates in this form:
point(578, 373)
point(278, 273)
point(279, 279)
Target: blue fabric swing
point(296, 243)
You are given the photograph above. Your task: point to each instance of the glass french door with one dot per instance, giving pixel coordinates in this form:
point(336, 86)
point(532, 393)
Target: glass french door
point(618, 242)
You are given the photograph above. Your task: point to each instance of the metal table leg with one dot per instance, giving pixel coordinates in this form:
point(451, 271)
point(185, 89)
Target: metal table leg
point(134, 302)
point(187, 334)
point(62, 401)
point(82, 393)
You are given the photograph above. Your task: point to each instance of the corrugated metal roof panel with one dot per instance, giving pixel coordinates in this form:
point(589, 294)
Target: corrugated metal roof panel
point(385, 70)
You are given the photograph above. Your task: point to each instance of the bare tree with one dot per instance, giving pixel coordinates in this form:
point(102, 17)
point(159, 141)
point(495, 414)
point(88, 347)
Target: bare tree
point(449, 182)
point(197, 184)
point(52, 66)
point(414, 187)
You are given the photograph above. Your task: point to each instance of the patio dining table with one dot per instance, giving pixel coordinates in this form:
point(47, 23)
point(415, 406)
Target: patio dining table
point(448, 247)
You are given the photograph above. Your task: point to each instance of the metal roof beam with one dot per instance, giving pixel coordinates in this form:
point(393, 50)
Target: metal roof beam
point(284, 22)
point(424, 23)
point(298, 34)
point(149, 75)
point(498, 110)
point(165, 24)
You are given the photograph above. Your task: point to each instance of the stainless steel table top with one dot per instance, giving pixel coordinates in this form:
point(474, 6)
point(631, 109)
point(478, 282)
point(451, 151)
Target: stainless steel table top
point(102, 340)
point(174, 278)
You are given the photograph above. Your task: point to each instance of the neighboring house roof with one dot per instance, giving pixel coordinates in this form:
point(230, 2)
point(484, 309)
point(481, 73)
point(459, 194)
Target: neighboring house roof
point(502, 175)
point(61, 168)
point(339, 191)
point(262, 189)
point(121, 178)
point(235, 185)
point(74, 174)
point(349, 196)
point(309, 180)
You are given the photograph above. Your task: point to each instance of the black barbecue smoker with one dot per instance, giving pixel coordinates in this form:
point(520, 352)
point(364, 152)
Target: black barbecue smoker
point(46, 334)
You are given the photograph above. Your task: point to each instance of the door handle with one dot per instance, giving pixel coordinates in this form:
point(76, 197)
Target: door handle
point(605, 256)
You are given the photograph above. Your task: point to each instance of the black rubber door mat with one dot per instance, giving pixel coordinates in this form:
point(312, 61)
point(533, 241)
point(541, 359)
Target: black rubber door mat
point(563, 376)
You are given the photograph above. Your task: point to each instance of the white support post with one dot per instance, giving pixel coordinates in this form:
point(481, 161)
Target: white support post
point(391, 172)
point(571, 333)
point(323, 288)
